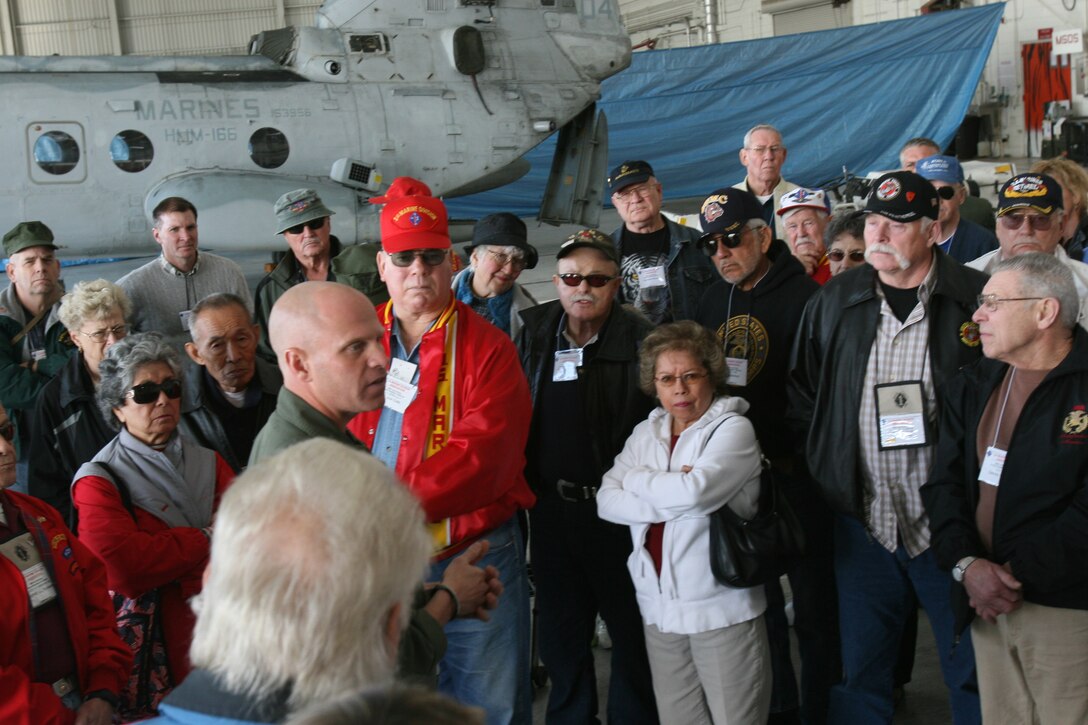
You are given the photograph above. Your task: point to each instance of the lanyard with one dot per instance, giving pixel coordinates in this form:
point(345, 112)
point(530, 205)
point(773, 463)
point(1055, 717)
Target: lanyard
point(1001, 415)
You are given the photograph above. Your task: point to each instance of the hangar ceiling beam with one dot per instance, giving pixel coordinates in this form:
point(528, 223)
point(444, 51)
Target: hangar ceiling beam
point(281, 13)
point(115, 27)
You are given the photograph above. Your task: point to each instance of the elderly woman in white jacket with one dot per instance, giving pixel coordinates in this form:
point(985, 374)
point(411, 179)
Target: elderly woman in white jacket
point(707, 642)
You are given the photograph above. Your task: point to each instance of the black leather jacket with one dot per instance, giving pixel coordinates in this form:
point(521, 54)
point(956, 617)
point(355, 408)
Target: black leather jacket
point(614, 402)
point(199, 422)
point(830, 355)
point(1041, 512)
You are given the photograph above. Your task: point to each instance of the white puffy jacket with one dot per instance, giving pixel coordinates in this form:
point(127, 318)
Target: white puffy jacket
point(646, 485)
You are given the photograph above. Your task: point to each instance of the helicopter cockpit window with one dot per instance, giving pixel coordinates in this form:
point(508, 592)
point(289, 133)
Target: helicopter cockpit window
point(56, 152)
point(268, 148)
point(131, 151)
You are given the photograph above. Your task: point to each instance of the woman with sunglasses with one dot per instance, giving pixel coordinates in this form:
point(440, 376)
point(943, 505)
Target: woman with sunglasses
point(146, 500)
point(68, 428)
point(845, 239)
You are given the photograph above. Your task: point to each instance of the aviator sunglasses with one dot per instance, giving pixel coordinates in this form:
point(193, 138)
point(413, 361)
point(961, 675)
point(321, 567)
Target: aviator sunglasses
point(430, 257)
point(709, 243)
point(837, 255)
point(145, 393)
point(1038, 223)
point(593, 280)
point(312, 225)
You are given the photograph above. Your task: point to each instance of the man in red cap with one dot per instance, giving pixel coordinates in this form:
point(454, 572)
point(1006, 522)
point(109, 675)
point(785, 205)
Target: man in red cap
point(454, 426)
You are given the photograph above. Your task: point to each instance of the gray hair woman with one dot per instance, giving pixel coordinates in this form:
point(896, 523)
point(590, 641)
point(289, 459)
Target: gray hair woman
point(693, 455)
point(67, 428)
point(157, 536)
point(500, 251)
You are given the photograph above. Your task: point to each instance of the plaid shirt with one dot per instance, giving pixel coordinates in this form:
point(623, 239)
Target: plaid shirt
point(892, 478)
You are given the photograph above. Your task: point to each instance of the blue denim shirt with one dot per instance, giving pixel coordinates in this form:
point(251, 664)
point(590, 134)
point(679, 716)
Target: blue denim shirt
point(387, 436)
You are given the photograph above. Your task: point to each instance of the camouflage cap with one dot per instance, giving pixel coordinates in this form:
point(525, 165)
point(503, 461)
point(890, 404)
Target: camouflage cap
point(298, 207)
point(26, 235)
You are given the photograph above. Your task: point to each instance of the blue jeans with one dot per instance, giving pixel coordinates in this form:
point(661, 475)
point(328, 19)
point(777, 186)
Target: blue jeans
point(875, 588)
point(487, 663)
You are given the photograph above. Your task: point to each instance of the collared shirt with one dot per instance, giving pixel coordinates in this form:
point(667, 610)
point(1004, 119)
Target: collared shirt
point(387, 435)
point(892, 478)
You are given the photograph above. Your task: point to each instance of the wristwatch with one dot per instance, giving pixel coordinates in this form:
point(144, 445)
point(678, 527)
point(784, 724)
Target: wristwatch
point(961, 567)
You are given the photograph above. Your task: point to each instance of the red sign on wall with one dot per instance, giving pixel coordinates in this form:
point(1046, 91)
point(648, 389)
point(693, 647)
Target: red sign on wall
point(1046, 33)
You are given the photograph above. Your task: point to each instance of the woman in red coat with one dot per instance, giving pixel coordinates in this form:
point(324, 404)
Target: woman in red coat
point(61, 661)
point(158, 538)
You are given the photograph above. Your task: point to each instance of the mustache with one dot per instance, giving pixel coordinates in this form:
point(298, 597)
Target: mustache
point(581, 297)
point(900, 260)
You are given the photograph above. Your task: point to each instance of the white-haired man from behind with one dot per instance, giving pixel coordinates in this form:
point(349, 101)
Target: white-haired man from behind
point(306, 595)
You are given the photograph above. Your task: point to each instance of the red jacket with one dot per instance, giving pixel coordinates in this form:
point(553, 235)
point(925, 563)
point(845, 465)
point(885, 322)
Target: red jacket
point(146, 553)
point(102, 657)
point(477, 480)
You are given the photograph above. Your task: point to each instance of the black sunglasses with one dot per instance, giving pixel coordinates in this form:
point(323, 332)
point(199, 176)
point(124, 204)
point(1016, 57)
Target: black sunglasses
point(313, 225)
point(709, 242)
point(946, 192)
point(145, 393)
point(837, 255)
point(7, 431)
point(430, 257)
point(594, 280)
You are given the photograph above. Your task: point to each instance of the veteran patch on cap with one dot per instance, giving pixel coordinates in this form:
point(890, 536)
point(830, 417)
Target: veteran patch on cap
point(802, 198)
point(298, 207)
point(26, 235)
point(627, 173)
point(727, 210)
point(940, 168)
point(592, 238)
point(412, 218)
point(1030, 191)
point(902, 196)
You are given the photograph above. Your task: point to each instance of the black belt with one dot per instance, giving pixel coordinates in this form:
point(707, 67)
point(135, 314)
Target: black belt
point(575, 492)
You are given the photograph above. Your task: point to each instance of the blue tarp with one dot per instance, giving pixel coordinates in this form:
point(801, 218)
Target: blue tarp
point(846, 97)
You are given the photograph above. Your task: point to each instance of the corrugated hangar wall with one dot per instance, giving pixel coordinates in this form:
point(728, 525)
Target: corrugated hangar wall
point(143, 27)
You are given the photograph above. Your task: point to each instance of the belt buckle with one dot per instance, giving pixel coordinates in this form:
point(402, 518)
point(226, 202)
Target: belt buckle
point(63, 686)
point(578, 493)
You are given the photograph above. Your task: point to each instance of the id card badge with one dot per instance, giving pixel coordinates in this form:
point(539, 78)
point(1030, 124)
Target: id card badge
point(184, 316)
point(402, 369)
point(22, 552)
point(992, 465)
point(566, 365)
point(737, 371)
point(901, 415)
point(651, 277)
point(37, 355)
point(398, 394)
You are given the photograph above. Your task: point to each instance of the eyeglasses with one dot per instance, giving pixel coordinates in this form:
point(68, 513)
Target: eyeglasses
point(760, 150)
point(1038, 222)
point(593, 280)
point(687, 379)
point(430, 257)
point(312, 225)
point(837, 255)
point(117, 332)
point(502, 259)
point(630, 192)
point(709, 243)
point(145, 393)
point(7, 431)
point(990, 302)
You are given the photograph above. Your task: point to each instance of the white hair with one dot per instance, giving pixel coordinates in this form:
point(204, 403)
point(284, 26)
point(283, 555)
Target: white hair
point(312, 550)
point(763, 127)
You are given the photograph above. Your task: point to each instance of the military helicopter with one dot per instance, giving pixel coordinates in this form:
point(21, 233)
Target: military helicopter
point(453, 92)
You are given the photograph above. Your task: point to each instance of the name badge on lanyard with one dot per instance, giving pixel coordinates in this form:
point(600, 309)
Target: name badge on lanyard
point(566, 365)
point(992, 465)
point(901, 415)
point(22, 552)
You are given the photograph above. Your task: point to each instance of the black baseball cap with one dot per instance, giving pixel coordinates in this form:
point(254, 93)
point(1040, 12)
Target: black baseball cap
point(627, 173)
point(902, 196)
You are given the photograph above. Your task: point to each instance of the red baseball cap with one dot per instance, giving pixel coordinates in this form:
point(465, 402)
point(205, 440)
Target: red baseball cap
point(412, 218)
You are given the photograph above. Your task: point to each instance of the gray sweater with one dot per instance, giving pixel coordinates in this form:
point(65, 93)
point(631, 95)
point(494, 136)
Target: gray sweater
point(160, 292)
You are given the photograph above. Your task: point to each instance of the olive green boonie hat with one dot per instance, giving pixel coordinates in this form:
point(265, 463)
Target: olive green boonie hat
point(26, 235)
point(298, 207)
